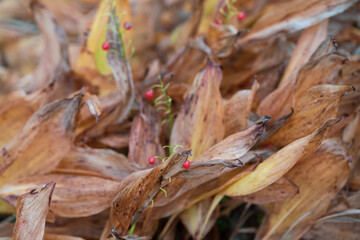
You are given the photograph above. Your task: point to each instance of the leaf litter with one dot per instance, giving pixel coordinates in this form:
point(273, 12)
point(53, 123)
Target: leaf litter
point(198, 119)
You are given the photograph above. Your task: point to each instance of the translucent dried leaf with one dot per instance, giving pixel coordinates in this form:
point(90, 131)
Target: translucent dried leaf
point(319, 176)
point(102, 162)
point(275, 192)
point(144, 139)
point(55, 55)
point(202, 109)
point(317, 105)
point(15, 110)
point(279, 163)
point(75, 196)
point(309, 40)
point(31, 211)
point(292, 16)
point(237, 109)
point(42, 143)
point(135, 197)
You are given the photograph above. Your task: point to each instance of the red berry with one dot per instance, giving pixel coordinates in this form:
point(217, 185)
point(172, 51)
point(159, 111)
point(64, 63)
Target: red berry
point(105, 46)
point(217, 22)
point(149, 94)
point(186, 164)
point(241, 16)
point(127, 25)
point(151, 160)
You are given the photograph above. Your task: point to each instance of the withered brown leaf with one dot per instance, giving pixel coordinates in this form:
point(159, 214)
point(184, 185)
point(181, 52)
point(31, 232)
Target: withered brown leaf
point(31, 211)
point(42, 143)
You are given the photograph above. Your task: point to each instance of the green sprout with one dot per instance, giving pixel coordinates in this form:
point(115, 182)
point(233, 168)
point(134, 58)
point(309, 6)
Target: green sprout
point(117, 29)
point(231, 10)
point(163, 102)
point(132, 229)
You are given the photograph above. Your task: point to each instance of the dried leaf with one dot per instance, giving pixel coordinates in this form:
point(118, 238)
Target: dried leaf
point(55, 55)
point(237, 109)
point(75, 196)
point(292, 16)
point(42, 143)
point(275, 192)
point(144, 139)
point(134, 198)
point(202, 109)
point(31, 211)
point(103, 162)
point(309, 40)
point(319, 176)
point(312, 109)
point(15, 110)
point(279, 163)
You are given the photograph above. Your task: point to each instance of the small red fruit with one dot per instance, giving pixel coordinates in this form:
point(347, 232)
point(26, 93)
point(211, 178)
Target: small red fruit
point(241, 16)
point(105, 46)
point(187, 164)
point(151, 160)
point(149, 94)
point(217, 22)
point(127, 25)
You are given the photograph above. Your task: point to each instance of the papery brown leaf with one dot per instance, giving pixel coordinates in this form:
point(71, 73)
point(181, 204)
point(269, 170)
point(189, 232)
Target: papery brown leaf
point(334, 230)
point(275, 192)
point(351, 136)
point(31, 211)
point(308, 42)
point(184, 64)
point(75, 196)
point(327, 46)
point(189, 29)
point(323, 70)
point(291, 16)
point(319, 176)
point(279, 163)
point(202, 109)
point(312, 109)
point(104, 162)
point(237, 109)
point(55, 55)
point(15, 110)
point(134, 198)
point(144, 139)
point(222, 39)
point(319, 71)
point(252, 60)
point(235, 145)
point(42, 143)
